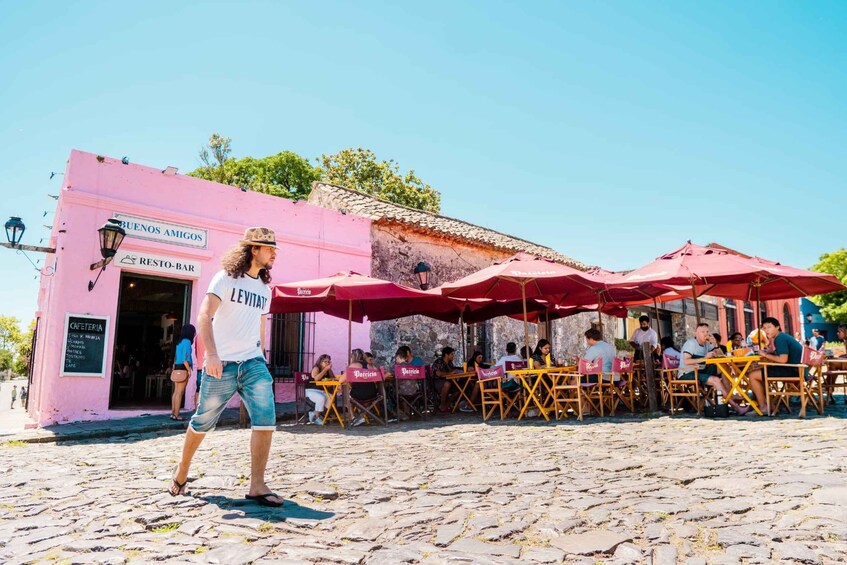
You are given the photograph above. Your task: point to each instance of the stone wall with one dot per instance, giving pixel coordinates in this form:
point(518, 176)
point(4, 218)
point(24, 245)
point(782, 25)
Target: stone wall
point(397, 249)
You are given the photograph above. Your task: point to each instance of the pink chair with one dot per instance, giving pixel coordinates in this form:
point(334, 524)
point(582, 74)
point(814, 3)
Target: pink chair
point(592, 391)
point(416, 402)
point(301, 402)
point(368, 408)
point(622, 387)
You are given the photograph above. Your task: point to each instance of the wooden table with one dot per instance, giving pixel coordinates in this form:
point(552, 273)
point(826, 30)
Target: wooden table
point(835, 367)
point(530, 385)
point(742, 365)
point(331, 389)
point(463, 386)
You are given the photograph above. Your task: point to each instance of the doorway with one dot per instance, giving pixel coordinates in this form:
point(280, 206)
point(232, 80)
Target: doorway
point(151, 313)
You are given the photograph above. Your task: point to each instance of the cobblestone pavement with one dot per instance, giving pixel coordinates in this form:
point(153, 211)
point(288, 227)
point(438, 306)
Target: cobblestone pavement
point(660, 491)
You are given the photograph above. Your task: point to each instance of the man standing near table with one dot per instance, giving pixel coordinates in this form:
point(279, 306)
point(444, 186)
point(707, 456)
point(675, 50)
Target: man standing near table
point(231, 325)
point(784, 349)
point(817, 340)
point(703, 346)
point(644, 334)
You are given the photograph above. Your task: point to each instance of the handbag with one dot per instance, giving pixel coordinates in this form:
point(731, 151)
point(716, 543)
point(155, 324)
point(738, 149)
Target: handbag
point(179, 375)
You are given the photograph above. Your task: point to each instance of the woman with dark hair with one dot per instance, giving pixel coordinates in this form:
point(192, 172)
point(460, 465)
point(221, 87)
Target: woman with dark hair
point(183, 361)
point(475, 361)
point(542, 350)
point(321, 371)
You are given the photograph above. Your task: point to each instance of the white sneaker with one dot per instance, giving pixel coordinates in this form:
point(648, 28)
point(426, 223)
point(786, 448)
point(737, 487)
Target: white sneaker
point(358, 420)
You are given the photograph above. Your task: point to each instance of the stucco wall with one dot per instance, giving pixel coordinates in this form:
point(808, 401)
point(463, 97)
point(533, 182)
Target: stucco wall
point(313, 242)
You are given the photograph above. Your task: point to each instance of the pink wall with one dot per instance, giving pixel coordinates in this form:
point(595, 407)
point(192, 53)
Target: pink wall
point(314, 242)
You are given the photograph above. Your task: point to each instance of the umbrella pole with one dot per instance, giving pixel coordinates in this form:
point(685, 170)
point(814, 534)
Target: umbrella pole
point(349, 333)
point(658, 325)
point(758, 309)
point(525, 321)
point(462, 336)
point(696, 303)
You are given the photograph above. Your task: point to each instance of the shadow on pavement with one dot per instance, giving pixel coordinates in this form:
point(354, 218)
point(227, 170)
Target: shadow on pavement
point(243, 508)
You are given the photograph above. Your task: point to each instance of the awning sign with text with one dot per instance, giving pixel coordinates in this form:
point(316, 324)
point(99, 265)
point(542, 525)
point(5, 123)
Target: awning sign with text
point(157, 264)
point(155, 230)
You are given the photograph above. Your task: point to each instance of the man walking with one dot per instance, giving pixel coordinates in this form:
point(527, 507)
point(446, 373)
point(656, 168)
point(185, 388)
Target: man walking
point(231, 325)
point(14, 395)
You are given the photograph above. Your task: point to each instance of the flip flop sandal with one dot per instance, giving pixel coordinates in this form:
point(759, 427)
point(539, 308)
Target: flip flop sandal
point(179, 486)
point(262, 499)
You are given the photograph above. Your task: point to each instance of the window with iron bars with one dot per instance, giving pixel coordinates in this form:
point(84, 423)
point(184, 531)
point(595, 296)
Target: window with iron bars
point(476, 339)
point(291, 345)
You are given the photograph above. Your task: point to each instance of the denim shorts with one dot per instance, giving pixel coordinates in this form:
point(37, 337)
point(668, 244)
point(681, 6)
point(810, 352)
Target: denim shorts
point(251, 380)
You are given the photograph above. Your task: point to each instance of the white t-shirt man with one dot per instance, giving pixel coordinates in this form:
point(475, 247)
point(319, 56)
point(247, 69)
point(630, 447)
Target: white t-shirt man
point(237, 322)
point(649, 335)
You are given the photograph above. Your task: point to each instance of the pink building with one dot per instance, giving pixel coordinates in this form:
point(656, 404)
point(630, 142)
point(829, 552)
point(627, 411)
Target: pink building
point(177, 229)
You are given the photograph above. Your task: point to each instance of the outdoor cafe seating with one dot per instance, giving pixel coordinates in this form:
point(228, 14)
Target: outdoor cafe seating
point(492, 395)
point(410, 391)
point(779, 389)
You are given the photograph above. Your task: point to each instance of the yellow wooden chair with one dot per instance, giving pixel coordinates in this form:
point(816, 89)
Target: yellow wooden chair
point(680, 390)
point(807, 387)
point(835, 369)
point(491, 393)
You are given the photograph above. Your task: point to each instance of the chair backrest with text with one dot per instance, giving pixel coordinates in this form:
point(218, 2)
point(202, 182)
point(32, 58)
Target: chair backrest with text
point(813, 357)
point(409, 372)
point(670, 361)
point(587, 367)
point(495, 372)
point(515, 365)
point(360, 375)
point(622, 365)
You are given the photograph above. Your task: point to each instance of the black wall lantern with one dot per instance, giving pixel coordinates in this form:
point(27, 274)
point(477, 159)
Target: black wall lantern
point(111, 237)
point(15, 229)
point(422, 271)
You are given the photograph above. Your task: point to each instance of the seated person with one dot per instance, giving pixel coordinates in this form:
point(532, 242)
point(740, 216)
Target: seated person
point(369, 360)
point(669, 348)
point(476, 361)
point(511, 355)
point(403, 356)
point(736, 341)
point(597, 349)
point(525, 352)
point(703, 346)
point(363, 392)
point(842, 336)
point(321, 371)
point(442, 367)
point(757, 338)
point(718, 340)
point(785, 349)
point(542, 350)
point(644, 334)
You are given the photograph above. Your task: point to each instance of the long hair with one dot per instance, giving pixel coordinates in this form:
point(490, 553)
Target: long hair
point(358, 356)
point(189, 332)
point(541, 343)
point(238, 260)
point(329, 374)
point(472, 360)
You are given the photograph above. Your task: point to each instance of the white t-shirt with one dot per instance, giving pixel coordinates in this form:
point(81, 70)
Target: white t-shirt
point(639, 336)
point(237, 322)
point(514, 358)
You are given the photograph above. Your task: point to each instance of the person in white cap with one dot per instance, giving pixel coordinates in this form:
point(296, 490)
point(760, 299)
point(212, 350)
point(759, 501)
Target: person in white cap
point(231, 326)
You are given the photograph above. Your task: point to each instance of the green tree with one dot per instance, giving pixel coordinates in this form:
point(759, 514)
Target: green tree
point(285, 174)
point(24, 351)
point(359, 169)
point(833, 305)
point(10, 333)
point(7, 359)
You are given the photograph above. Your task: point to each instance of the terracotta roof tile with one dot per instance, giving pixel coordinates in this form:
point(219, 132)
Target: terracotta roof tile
point(354, 202)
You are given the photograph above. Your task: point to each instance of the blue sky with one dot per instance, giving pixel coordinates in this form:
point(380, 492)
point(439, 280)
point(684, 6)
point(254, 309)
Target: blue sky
point(612, 132)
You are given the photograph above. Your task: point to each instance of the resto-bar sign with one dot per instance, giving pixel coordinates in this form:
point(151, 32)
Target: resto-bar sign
point(157, 264)
point(155, 230)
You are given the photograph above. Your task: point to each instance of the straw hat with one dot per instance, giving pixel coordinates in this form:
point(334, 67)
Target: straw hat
point(259, 236)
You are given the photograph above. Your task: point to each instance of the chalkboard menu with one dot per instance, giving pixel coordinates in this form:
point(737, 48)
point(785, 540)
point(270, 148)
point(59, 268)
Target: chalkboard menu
point(84, 345)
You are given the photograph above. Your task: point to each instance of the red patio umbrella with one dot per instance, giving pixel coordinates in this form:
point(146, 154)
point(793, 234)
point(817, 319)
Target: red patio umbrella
point(353, 296)
point(524, 276)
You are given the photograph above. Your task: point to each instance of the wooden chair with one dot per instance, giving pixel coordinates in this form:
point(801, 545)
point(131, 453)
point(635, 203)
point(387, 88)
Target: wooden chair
point(835, 369)
point(574, 390)
point(622, 390)
point(491, 393)
point(680, 390)
point(417, 402)
point(302, 404)
point(782, 388)
point(367, 408)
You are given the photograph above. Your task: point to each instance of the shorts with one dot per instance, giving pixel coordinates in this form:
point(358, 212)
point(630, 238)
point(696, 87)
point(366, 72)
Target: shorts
point(253, 383)
point(787, 372)
point(703, 375)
